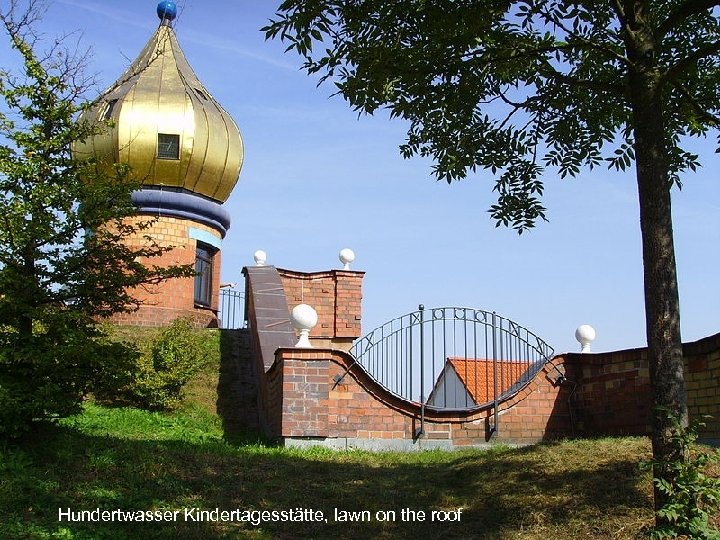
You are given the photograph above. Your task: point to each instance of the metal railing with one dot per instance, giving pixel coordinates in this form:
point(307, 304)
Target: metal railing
point(232, 308)
point(452, 357)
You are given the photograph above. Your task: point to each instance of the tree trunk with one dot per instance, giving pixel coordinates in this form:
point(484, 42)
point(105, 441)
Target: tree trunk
point(662, 305)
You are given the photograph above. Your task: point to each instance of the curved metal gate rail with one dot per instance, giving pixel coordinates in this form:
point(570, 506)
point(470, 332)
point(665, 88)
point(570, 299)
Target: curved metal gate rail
point(452, 357)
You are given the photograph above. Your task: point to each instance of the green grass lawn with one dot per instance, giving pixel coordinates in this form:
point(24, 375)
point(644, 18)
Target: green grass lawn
point(122, 459)
point(125, 459)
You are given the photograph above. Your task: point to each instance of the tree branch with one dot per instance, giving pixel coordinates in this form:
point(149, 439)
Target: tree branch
point(587, 44)
point(587, 83)
point(699, 109)
point(516, 107)
point(675, 70)
point(20, 26)
point(553, 73)
point(682, 12)
point(619, 10)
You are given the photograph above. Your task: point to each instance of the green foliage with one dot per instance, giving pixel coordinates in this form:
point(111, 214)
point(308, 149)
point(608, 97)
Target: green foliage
point(691, 495)
point(164, 364)
point(48, 375)
point(519, 86)
point(63, 262)
point(130, 459)
point(527, 88)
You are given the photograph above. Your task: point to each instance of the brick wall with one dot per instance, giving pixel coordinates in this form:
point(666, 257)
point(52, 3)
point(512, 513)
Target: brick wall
point(162, 303)
point(323, 394)
point(614, 396)
point(336, 295)
point(237, 386)
point(158, 316)
point(613, 392)
point(311, 403)
point(703, 382)
point(539, 411)
point(272, 409)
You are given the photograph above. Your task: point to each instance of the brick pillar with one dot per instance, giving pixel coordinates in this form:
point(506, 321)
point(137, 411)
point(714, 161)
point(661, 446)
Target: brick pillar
point(305, 391)
point(336, 295)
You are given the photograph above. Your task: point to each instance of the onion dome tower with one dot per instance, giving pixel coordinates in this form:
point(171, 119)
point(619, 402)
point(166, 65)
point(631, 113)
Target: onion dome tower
point(186, 151)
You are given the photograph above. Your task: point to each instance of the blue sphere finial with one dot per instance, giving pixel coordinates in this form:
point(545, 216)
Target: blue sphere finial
point(167, 10)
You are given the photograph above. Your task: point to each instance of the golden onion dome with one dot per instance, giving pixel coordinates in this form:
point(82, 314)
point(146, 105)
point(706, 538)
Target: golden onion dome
point(165, 124)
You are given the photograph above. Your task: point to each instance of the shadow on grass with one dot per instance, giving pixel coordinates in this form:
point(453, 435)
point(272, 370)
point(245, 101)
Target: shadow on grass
point(502, 493)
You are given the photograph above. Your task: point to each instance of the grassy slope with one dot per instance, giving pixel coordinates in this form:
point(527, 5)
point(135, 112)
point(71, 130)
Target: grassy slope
point(133, 460)
point(127, 459)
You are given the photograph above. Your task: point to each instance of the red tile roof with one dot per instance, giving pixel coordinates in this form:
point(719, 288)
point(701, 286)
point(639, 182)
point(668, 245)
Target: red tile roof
point(477, 376)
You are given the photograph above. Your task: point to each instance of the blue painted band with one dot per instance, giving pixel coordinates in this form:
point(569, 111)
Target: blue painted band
point(184, 205)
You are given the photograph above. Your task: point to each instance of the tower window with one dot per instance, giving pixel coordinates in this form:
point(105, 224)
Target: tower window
point(168, 146)
point(203, 274)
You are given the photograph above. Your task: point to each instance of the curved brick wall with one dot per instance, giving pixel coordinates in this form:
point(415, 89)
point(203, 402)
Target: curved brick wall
point(321, 396)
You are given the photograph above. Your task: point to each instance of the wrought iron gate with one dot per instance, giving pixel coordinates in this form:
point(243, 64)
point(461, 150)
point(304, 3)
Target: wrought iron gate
point(232, 308)
point(452, 357)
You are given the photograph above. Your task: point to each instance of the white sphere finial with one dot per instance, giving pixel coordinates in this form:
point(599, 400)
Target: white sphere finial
point(260, 257)
point(585, 334)
point(303, 319)
point(346, 256)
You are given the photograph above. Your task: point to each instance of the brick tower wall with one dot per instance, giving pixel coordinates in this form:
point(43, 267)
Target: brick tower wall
point(174, 298)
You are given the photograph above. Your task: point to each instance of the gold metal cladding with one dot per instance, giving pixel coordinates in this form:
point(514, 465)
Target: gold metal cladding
point(160, 94)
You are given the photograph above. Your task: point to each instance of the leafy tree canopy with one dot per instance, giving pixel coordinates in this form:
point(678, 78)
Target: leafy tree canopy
point(520, 86)
point(63, 260)
point(517, 86)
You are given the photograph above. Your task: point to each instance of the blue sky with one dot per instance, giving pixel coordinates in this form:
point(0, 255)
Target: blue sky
point(318, 178)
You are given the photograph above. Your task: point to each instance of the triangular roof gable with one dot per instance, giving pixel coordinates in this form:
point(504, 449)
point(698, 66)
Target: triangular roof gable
point(478, 376)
